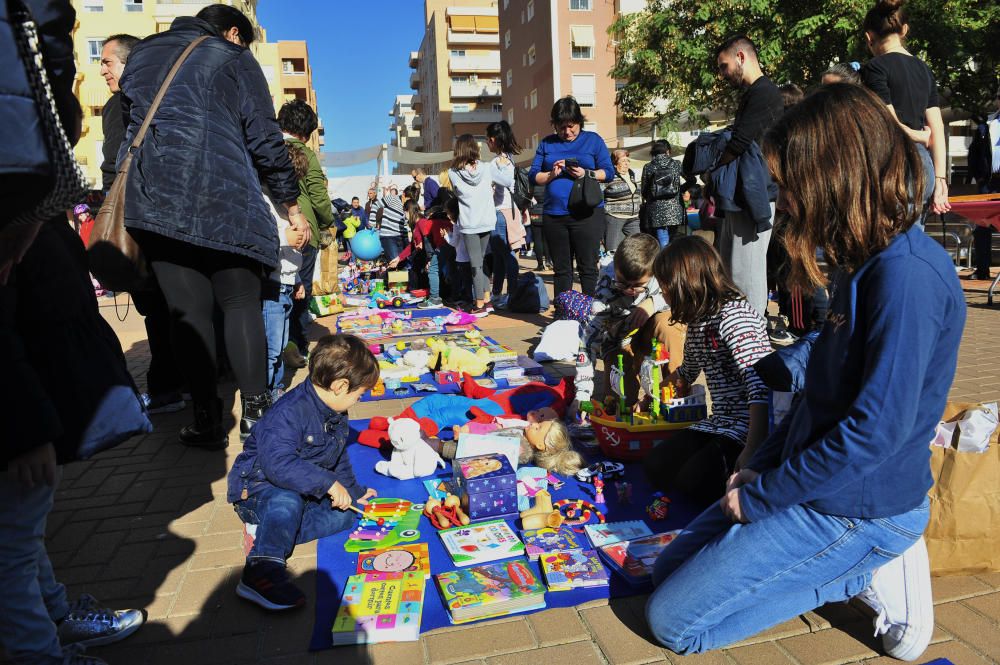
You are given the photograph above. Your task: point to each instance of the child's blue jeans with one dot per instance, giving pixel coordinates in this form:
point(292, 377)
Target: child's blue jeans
point(285, 518)
point(719, 582)
point(505, 264)
point(277, 307)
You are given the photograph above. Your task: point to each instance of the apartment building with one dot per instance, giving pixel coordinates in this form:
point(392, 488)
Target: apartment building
point(550, 49)
point(456, 72)
point(97, 19)
point(404, 134)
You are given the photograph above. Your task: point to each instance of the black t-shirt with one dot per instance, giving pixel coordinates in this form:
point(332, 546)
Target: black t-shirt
point(905, 82)
point(759, 107)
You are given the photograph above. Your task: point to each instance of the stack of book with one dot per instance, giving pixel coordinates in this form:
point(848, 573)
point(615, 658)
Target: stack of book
point(634, 559)
point(573, 569)
point(490, 590)
point(380, 607)
point(481, 543)
point(544, 541)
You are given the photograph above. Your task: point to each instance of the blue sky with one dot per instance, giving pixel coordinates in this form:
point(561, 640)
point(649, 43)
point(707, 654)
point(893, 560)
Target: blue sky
point(359, 51)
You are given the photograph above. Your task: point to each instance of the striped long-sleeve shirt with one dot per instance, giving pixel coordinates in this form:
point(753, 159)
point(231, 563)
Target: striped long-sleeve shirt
point(726, 347)
point(393, 219)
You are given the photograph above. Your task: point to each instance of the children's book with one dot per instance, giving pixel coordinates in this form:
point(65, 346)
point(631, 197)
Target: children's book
point(572, 569)
point(438, 487)
point(404, 558)
point(490, 590)
point(613, 532)
point(543, 541)
point(472, 445)
point(481, 543)
point(380, 607)
point(634, 559)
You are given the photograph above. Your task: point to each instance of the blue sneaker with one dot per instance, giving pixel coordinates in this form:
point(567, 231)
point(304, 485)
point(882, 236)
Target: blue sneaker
point(266, 583)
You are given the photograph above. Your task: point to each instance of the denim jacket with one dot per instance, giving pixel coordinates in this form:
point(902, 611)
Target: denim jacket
point(300, 444)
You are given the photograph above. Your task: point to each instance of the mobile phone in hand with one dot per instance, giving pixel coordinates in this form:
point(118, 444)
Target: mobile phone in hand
point(572, 162)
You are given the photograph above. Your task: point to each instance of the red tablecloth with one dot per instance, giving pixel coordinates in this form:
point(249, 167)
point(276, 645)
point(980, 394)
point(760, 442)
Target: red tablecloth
point(981, 213)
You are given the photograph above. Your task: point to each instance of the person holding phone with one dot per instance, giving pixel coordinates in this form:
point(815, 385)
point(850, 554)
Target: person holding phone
point(561, 158)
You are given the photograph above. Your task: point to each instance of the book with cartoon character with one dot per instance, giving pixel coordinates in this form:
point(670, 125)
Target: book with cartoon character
point(572, 569)
point(403, 558)
point(481, 543)
point(543, 541)
point(380, 607)
point(490, 590)
point(634, 559)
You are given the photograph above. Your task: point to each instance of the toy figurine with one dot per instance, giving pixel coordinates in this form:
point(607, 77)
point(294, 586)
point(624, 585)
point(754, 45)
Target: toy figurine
point(659, 508)
point(599, 489)
point(624, 490)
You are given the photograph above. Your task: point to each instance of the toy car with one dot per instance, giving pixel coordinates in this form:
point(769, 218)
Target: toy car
point(607, 469)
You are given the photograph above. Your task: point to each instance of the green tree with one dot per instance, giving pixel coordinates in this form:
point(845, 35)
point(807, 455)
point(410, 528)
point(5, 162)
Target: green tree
point(667, 51)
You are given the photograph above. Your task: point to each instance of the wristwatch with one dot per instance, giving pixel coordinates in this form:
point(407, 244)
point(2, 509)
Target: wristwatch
point(592, 173)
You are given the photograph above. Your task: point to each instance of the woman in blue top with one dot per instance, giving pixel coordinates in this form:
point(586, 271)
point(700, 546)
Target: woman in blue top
point(833, 503)
point(561, 158)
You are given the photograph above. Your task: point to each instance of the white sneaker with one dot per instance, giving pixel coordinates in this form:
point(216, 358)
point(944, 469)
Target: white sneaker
point(901, 594)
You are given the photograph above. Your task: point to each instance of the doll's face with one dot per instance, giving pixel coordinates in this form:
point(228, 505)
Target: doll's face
point(393, 561)
point(544, 414)
point(536, 432)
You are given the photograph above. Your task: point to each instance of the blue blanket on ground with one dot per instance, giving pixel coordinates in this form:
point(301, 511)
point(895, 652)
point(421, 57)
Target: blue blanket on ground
point(334, 564)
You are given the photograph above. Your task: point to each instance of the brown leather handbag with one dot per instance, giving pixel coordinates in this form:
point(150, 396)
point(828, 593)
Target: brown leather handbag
point(113, 254)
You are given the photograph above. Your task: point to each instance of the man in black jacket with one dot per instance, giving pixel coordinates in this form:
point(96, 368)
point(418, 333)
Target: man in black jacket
point(743, 247)
point(114, 55)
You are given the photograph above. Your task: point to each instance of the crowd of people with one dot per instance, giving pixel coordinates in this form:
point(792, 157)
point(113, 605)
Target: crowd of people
point(230, 207)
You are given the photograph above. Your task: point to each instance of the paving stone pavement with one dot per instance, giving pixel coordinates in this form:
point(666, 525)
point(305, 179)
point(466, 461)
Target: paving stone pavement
point(147, 525)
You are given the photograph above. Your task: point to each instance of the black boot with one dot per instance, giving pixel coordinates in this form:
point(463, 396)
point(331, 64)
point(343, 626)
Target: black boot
point(254, 408)
point(207, 431)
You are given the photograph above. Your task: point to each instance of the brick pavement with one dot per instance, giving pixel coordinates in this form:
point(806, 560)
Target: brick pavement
point(147, 525)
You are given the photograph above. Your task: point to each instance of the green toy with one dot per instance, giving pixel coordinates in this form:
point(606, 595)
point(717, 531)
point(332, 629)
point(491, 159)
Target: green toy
point(385, 523)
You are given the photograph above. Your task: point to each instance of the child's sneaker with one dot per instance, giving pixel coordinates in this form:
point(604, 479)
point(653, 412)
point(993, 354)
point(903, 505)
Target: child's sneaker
point(901, 594)
point(430, 303)
point(87, 624)
point(266, 583)
point(164, 403)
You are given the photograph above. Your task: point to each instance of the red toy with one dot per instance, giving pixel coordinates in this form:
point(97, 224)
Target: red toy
point(446, 514)
point(659, 508)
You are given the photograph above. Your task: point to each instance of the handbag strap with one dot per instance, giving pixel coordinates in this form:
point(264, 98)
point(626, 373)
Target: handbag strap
point(141, 134)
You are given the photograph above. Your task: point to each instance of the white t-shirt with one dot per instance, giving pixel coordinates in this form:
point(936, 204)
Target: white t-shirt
point(289, 258)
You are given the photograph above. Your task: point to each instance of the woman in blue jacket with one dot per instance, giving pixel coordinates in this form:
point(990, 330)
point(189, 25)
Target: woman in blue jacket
point(561, 158)
point(194, 200)
point(833, 504)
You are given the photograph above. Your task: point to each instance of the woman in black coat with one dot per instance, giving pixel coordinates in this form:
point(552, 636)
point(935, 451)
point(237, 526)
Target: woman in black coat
point(195, 205)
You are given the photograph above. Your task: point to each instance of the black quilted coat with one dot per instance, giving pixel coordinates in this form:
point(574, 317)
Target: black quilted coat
point(196, 177)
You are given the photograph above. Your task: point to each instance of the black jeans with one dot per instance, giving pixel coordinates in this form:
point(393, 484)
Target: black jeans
point(569, 237)
point(695, 463)
point(164, 374)
point(193, 279)
point(538, 242)
point(299, 320)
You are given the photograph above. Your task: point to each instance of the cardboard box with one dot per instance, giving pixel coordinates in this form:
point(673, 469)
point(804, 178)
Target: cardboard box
point(486, 485)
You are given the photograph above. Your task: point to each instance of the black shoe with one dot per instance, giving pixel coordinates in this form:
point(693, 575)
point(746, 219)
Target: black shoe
point(254, 408)
point(781, 336)
point(266, 583)
point(206, 431)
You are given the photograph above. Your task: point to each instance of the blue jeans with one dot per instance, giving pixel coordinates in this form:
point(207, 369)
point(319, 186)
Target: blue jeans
point(285, 518)
point(392, 246)
point(277, 306)
point(665, 234)
point(504, 262)
point(929, 181)
point(719, 582)
point(32, 600)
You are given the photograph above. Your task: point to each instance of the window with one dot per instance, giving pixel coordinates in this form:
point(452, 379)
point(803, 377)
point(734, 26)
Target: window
point(510, 77)
point(458, 53)
point(582, 37)
point(531, 9)
point(287, 66)
point(534, 98)
point(582, 53)
point(534, 140)
point(497, 107)
point(460, 108)
point(460, 79)
point(94, 47)
point(522, 17)
point(531, 54)
point(590, 127)
point(510, 117)
point(96, 111)
point(584, 89)
point(524, 59)
point(93, 5)
point(506, 39)
point(506, 4)
point(525, 101)
point(133, 5)
point(579, 5)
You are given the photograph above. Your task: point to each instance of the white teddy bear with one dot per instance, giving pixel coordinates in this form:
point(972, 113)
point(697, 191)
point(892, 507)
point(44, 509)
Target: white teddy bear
point(411, 457)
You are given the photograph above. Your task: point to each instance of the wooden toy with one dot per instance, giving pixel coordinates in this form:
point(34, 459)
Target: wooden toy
point(577, 512)
point(446, 514)
point(486, 484)
point(542, 514)
point(385, 522)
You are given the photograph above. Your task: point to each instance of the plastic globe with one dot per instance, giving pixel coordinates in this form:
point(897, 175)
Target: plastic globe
point(365, 245)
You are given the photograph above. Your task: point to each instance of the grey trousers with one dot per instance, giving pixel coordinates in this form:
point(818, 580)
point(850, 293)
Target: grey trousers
point(476, 244)
point(744, 253)
point(618, 229)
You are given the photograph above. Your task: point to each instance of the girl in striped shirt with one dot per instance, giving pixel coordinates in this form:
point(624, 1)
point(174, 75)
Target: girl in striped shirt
point(725, 337)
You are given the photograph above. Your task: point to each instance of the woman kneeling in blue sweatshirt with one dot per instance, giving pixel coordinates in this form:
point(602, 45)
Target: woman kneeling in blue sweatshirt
point(833, 504)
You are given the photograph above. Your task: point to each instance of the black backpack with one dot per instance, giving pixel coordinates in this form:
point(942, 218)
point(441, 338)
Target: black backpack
point(529, 295)
point(663, 187)
point(522, 189)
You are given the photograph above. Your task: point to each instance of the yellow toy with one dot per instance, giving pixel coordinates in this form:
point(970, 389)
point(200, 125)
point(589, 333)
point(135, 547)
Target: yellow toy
point(450, 357)
point(542, 514)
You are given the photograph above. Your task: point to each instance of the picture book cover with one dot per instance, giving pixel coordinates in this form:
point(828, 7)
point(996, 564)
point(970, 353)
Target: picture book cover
point(380, 607)
point(490, 590)
point(405, 558)
point(572, 569)
point(481, 543)
point(613, 532)
point(542, 541)
point(634, 559)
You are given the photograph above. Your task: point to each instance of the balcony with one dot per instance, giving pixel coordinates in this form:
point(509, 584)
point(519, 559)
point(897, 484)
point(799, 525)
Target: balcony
point(414, 59)
point(415, 81)
point(475, 63)
point(418, 122)
point(413, 143)
point(474, 116)
point(485, 89)
point(473, 38)
point(416, 103)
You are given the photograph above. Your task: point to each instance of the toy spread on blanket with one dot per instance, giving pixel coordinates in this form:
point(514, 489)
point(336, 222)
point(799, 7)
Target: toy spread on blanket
point(411, 456)
point(385, 522)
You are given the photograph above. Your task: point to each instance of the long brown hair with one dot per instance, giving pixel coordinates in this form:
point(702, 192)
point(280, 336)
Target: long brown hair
point(466, 151)
point(851, 180)
point(693, 280)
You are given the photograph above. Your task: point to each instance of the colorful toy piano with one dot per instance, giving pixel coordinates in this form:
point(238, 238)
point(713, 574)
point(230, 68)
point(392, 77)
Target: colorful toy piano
point(385, 522)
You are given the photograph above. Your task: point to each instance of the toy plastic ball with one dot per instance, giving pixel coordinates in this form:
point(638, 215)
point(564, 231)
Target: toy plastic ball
point(365, 245)
point(380, 521)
